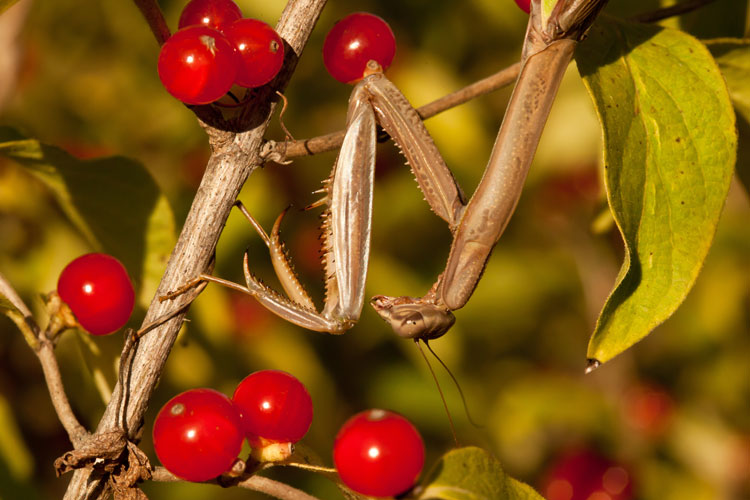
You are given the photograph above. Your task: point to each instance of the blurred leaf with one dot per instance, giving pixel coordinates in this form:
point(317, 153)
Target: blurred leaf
point(733, 58)
point(472, 473)
point(6, 4)
point(670, 150)
point(13, 450)
point(113, 201)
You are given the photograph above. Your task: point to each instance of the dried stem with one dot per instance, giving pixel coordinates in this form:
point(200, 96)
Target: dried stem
point(674, 10)
point(233, 158)
point(155, 19)
point(290, 149)
point(262, 484)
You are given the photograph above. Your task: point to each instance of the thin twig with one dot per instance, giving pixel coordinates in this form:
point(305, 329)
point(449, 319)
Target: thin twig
point(262, 484)
point(44, 350)
point(674, 10)
point(155, 19)
point(329, 142)
point(76, 432)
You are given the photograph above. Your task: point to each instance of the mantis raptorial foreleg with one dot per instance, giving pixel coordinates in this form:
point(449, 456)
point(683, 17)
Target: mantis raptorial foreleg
point(548, 49)
point(347, 221)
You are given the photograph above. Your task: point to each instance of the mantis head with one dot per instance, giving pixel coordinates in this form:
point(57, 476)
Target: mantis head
point(413, 318)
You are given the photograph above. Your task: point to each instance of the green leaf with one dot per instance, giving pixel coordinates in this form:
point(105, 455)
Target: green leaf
point(733, 57)
point(670, 143)
point(472, 473)
point(6, 4)
point(113, 201)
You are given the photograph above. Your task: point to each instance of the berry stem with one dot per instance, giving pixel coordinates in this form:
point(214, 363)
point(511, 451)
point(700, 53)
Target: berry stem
point(262, 484)
point(155, 19)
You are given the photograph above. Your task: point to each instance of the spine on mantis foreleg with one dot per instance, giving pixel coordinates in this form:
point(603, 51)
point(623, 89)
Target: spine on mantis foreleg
point(494, 200)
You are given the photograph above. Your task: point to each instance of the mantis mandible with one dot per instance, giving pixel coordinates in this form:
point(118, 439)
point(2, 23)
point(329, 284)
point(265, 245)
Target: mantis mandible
point(476, 226)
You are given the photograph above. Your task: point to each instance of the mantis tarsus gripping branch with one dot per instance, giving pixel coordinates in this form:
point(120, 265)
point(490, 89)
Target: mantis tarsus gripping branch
point(551, 38)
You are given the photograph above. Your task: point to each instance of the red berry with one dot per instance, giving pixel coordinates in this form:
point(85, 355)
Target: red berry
point(378, 453)
point(355, 40)
point(525, 5)
point(98, 290)
point(198, 434)
point(261, 50)
point(198, 65)
point(586, 475)
point(275, 406)
point(211, 13)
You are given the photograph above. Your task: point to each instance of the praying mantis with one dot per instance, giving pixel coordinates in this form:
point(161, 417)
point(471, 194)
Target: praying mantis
point(476, 225)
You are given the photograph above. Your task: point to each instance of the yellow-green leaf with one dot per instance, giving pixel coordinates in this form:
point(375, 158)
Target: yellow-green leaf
point(472, 473)
point(670, 144)
point(113, 201)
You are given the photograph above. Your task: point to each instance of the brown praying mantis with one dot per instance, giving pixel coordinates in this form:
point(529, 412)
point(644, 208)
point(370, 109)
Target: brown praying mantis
point(551, 38)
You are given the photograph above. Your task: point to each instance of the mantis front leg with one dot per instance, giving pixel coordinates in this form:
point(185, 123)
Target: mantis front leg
point(548, 49)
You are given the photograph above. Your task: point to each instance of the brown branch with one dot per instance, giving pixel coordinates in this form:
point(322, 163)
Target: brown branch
point(674, 10)
point(280, 151)
point(233, 158)
point(155, 19)
point(262, 484)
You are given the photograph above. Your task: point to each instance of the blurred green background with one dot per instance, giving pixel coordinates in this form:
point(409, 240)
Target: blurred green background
point(674, 410)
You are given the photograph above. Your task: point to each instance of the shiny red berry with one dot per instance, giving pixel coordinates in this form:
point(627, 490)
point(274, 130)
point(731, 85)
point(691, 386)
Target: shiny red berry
point(198, 65)
point(275, 406)
point(355, 40)
point(198, 434)
point(211, 13)
point(378, 453)
point(261, 50)
point(98, 290)
point(525, 5)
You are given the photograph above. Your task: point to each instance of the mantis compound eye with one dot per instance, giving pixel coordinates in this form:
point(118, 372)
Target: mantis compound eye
point(412, 318)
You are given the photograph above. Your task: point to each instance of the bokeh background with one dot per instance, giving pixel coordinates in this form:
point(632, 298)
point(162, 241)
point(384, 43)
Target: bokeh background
point(674, 411)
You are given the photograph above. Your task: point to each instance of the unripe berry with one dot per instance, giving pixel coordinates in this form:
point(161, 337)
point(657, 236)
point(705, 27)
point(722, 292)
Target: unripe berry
point(98, 290)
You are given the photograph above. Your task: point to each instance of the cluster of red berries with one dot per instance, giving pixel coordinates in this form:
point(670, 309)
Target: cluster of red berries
point(98, 291)
point(199, 433)
point(215, 48)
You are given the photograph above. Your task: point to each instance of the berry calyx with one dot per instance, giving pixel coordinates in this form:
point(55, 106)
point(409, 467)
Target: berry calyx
point(214, 14)
point(525, 5)
point(353, 42)
point(96, 287)
point(198, 65)
point(378, 453)
point(275, 407)
point(198, 434)
point(260, 48)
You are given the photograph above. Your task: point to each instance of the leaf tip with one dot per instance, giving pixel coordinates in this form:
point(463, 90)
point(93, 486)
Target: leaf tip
point(592, 364)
